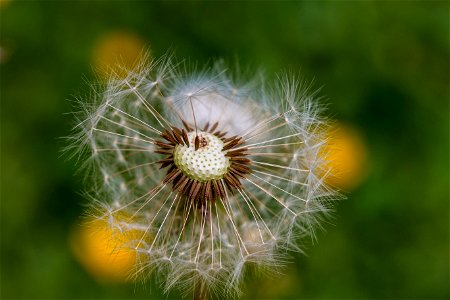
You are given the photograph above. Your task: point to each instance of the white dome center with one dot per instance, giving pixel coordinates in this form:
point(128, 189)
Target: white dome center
point(208, 162)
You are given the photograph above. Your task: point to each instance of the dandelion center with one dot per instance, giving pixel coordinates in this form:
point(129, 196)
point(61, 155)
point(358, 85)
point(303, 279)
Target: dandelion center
point(208, 162)
point(203, 164)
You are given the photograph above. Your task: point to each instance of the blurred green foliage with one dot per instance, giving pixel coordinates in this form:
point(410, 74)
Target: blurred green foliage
point(384, 67)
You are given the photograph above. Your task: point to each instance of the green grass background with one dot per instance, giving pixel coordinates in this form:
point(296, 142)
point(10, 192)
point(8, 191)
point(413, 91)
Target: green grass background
point(384, 66)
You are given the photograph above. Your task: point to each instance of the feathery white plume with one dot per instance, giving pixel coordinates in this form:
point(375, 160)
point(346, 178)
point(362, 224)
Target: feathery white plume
point(208, 177)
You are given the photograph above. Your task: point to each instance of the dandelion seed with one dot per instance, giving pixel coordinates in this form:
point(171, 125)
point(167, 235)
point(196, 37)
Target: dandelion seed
point(216, 177)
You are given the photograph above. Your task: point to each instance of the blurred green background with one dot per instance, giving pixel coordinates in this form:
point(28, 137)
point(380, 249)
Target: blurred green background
point(384, 67)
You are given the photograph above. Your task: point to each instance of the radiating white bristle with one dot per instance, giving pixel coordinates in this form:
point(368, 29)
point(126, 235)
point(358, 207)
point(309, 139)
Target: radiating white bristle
point(207, 246)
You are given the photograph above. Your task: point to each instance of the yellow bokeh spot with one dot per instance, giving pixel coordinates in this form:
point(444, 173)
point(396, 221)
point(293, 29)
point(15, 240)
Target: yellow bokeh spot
point(4, 3)
point(117, 52)
point(346, 157)
point(103, 252)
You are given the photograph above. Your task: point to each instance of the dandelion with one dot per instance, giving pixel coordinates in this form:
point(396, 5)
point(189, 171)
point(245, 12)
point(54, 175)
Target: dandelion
point(216, 177)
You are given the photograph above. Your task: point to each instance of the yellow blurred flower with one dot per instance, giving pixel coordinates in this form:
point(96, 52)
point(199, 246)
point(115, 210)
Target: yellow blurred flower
point(346, 157)
point(118, 52)
point(100, 250)
point(4, 3)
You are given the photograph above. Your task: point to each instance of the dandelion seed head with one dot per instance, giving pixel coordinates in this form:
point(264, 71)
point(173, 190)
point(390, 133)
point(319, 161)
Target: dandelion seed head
point(214, 178)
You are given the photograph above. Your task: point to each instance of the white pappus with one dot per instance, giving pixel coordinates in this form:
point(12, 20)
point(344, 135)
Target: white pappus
point(207, 177)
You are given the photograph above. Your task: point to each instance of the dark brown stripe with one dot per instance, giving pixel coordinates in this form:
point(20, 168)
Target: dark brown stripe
point(241, 168)
point(240, 160)
point(187, 187)
point(201, 198)
point(214, 127)
point(208, 193)
point(185, 137)
point(181, 183)
point(232, 144)
point(222, 189)
point(171, 175)
point(165, 164)
point(197, 142)
point(163, 145)
point(161, 151)
point(168, 136)
point(229, 186)
point(234, 179)
point(229, 139)
point(177, 135)
point(238, 152)
point(216, 188)
point(195, 189)
point(220, 134)
point(188, 128)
